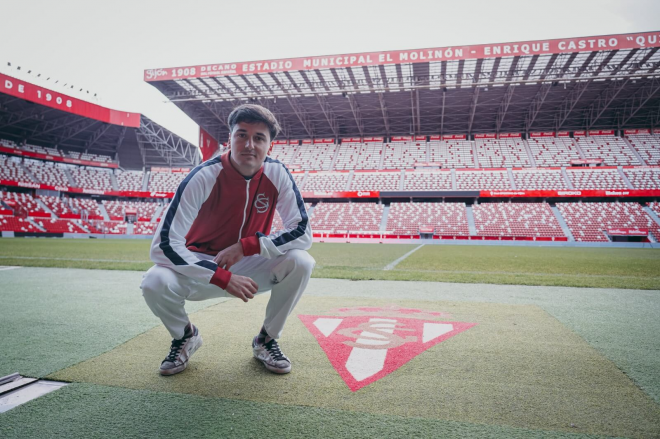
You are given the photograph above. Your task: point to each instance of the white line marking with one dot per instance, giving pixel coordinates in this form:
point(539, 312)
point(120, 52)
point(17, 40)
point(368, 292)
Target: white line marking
point(395, 263)
point(435, 330)
point(8, 268)
point(327, 326)
point(363, 363)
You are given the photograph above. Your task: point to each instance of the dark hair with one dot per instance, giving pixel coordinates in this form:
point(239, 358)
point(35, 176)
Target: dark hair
point(251, 113)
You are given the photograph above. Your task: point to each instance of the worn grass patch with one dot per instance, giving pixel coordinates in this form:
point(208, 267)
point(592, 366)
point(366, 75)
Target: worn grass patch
point(517, 367)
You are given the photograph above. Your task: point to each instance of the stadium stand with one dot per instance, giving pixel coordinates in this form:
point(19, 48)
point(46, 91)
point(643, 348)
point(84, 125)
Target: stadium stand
point(427, 181)
point(25, 202)
point(166, 181)
point(129, 180)
point(316, 156)
point(11, 169)
point(587, 178)
point(89, 157)
point(655, 206)
point(15, 224)
point(590, 221)
point(612, 150)
point(336, 181)
point(648, 147)
point(277, 220)
point(451, 153)
point(91, 178)
point(56, 205)
point(347, 218)
point(375, 181)
point(643, 178)
point(501, 153)
point(48, 172)
point(539, 179)
point(144, 228)
point(109, 227)
point(59, 225)
point(86, 205)
point(488, 180)
point(284, 153)
point(404, 154)
point(446, 219)
point(552, 151)
point(145, 209)
point(356, 155)
point(516, 219)
point(41, 150)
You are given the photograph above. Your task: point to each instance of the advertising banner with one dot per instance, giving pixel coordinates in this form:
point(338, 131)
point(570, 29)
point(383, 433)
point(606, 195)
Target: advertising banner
point(480, 51)
point(622, 231)
point(572, 193)
point(48, 98)
point(544, 134)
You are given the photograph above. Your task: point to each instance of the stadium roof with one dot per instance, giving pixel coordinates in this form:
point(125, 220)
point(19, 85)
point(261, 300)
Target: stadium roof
point(605, 82)
point(36, 115)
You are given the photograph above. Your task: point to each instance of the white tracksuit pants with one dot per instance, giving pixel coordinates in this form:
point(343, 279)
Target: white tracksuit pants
point(166, 291)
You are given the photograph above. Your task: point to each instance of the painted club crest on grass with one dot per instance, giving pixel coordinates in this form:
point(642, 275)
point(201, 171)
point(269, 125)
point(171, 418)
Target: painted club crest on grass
point(365, 344)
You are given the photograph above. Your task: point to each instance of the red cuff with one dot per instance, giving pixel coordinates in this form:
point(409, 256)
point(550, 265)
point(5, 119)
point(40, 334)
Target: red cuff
point(221, 278)
point(251, 246)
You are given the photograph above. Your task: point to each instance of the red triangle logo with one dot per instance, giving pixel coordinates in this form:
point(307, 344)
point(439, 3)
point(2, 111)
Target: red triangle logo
point(364, 349)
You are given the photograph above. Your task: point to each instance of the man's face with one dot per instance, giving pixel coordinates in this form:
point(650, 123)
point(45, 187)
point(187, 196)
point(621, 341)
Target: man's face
point(249, 144)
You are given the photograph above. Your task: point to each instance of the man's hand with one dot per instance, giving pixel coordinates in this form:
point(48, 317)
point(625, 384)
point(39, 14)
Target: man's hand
point(242, 287)
point(229, 256)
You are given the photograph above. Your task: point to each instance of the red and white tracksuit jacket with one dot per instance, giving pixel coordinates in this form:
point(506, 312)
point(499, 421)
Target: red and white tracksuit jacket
point(215, 207)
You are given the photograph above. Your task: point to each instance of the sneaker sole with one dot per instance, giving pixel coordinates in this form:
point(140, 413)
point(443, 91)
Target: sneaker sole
point(269, 367)
point(179, 369)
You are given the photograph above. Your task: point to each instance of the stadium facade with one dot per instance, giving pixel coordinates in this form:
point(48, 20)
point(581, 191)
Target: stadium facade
point(553, 140)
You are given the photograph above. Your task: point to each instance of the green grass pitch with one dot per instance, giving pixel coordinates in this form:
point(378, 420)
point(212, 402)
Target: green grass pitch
point(575, 267)
point(546, 359)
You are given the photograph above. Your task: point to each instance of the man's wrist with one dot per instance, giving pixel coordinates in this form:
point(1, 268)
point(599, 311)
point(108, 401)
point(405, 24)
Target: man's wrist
point(221, 278)
point(250, 246)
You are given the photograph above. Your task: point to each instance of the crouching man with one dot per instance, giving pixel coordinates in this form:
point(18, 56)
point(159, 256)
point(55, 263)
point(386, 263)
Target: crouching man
point(214, 241)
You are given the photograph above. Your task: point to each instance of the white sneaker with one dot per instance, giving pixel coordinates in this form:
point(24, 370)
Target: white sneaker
point(180, 352)
point(271, 356)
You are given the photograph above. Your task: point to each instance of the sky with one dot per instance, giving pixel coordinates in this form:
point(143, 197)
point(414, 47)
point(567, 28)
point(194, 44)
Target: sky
point(104, 47)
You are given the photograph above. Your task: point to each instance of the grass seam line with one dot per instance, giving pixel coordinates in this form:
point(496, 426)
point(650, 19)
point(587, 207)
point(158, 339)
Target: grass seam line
point(393, 264)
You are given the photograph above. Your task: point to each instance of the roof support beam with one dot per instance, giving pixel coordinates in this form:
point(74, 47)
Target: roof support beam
point(473, 108)
point(34, 112)
point(504, 106)
point(535, 106)
point(57, 124)
point(96, 135)
point(329, 115)
point(302, 115)
point(120, 140)
point(569, 103)
point(383, 109)
point(165, 144)
point(419, 117)
point(75, 130)
point(638, 100)
point(355, 109)
point(603, 101)
point(442, 113)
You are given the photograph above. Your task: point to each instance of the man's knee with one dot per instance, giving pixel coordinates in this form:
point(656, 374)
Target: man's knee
point(155, 281)
point(302, 261)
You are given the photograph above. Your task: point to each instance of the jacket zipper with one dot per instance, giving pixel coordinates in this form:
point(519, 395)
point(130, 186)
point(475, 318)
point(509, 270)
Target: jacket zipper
point(247, 201)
